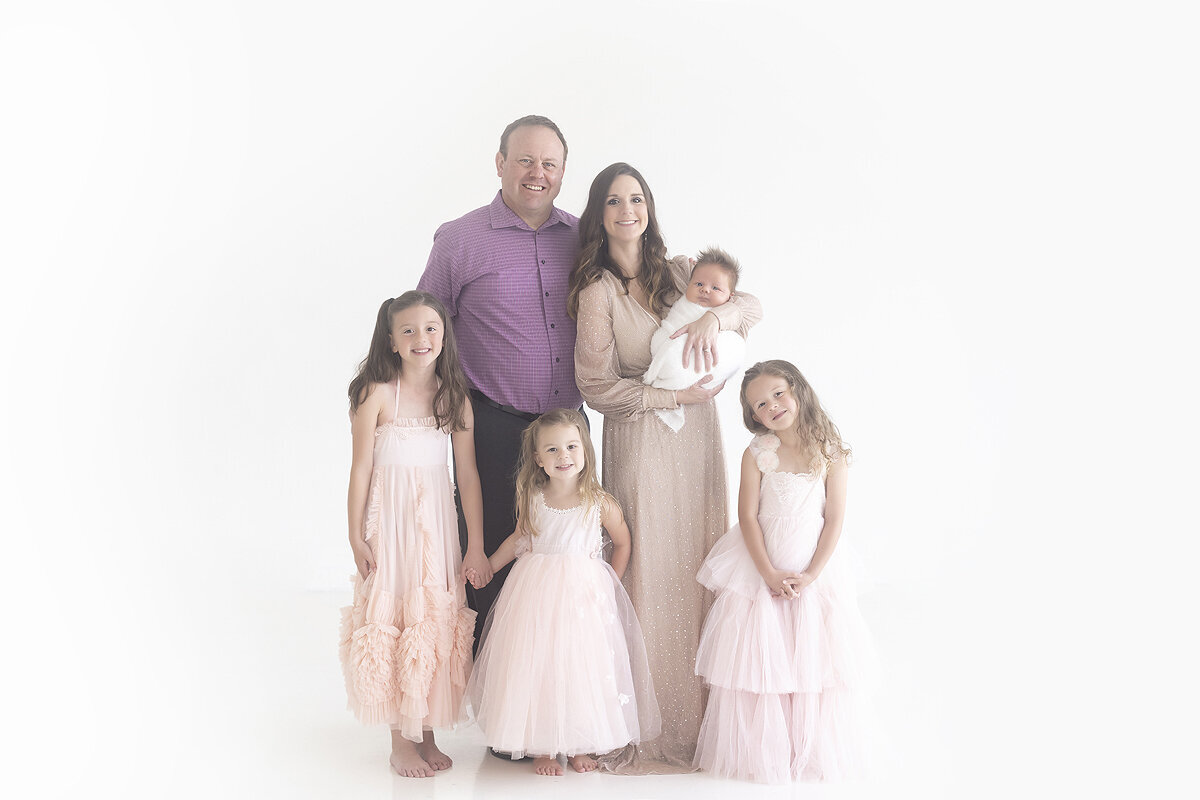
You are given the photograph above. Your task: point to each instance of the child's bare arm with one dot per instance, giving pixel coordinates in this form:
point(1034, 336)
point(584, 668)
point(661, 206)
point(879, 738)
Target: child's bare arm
point(779, 581)
point(614, 522)
point(469, 491)
point(835, 513)
point(362, 429)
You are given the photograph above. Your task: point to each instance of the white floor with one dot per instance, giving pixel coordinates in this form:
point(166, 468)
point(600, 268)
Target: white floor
point(239, 694)
point(310, 746)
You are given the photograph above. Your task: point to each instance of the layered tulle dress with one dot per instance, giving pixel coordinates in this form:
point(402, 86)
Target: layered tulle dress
point(406, 641)
point(562, 668)
point(786, 676)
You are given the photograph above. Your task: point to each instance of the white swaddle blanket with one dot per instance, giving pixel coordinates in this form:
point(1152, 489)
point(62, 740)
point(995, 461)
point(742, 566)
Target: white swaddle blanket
point(666, 370)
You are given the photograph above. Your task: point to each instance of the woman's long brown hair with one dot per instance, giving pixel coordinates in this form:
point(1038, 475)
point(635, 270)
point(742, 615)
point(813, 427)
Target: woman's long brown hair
point(655, 276)
point(383, 365)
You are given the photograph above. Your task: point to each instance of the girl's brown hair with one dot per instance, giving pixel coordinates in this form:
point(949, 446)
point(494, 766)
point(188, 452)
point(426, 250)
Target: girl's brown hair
point(383, 365)
point(815, 429)
point(593, 259)
point(531, 478)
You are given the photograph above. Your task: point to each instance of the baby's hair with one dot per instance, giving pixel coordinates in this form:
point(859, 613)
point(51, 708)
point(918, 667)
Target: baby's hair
point(719, 258)
point(383, 365)
point(531, 477)
point(815, 429)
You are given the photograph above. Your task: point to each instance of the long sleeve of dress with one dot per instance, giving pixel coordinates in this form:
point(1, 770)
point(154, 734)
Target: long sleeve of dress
point(597, 370)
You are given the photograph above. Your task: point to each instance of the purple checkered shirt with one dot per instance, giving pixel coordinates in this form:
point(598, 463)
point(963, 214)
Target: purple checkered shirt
point(506, 286)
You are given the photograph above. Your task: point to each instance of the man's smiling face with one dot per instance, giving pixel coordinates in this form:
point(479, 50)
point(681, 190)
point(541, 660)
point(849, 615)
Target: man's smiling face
point(531, 173)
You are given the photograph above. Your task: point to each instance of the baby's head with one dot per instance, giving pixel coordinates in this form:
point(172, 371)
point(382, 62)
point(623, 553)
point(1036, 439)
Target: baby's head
point(714, 278)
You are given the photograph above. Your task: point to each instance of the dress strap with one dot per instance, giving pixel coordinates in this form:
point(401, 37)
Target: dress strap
point(396, 409)
point(764, 448)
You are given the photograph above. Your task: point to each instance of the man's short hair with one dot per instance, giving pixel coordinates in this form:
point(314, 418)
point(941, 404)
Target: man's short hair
point(532, 119)
point(719, 258)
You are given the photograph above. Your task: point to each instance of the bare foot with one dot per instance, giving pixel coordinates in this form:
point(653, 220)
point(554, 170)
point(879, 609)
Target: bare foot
point(545, 765)
point(407, 761)
point(435, 758)
point(583, 763)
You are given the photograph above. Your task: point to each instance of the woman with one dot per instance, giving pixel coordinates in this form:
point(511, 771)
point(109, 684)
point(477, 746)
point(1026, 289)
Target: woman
point(671, 485)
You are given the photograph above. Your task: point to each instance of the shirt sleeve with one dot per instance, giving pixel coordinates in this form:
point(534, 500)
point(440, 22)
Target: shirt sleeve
point(739, 313)
point(596, 371)
point(439, 276)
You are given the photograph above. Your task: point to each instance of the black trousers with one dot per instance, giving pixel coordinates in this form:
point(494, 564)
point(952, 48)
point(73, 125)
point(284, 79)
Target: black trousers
point(497, 451)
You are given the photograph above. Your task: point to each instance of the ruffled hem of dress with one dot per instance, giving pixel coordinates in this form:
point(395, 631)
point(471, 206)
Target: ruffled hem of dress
point(392, 647)
point(389, 669)
point(780, 738)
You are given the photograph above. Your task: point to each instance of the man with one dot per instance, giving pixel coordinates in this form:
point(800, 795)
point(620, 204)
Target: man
point(502, 270)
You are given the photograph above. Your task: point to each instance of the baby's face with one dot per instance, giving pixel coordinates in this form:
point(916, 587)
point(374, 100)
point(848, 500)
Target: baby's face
point(709, 286)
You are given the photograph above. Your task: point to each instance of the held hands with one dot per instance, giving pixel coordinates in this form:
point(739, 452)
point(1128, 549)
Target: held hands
point(783, 584)
point(700, 347)
point(802, 580)
point(476, 569)
point(364, 559)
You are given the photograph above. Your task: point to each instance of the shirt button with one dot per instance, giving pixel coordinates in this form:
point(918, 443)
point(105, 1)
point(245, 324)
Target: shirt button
point(556, 392)
point(547, 294)
point(551, 324)
point(556, 359)
point(543, 261)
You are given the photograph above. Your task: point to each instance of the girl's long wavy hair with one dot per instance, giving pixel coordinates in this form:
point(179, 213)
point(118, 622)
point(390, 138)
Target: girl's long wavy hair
point(594, 260)
point(816, 431)
point(383, 365)
point(531, 478)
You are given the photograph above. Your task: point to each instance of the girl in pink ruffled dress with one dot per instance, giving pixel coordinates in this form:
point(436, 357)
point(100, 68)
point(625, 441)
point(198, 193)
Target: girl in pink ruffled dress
point(406, 641)
point(562, 669)
point(784, 650)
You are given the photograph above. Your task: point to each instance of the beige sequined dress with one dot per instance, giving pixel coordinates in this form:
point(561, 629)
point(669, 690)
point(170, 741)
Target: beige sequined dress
point(671, 487)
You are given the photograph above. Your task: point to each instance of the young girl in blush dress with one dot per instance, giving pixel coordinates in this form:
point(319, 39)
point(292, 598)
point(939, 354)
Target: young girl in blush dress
point(784, 650)
point(562, 669)
point(406, 641)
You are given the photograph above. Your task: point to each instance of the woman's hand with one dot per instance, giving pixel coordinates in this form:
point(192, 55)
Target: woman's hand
point(475, 569)
point(700, 348)
point(364, 559)
point(698, 392)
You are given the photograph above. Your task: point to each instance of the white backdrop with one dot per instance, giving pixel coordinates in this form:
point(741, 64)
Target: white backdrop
point(969, 226)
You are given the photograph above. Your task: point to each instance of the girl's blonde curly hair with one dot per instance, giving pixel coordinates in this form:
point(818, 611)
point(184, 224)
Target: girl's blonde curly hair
point(816, 431)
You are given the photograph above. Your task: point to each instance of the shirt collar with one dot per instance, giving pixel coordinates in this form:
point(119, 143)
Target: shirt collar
point(501, 216)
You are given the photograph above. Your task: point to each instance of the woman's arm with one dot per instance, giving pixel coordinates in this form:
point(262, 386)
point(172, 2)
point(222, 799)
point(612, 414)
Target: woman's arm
point(596, 371)
point(471, 495)
point(362, 429)
point(835, 513)
point(777, 580)
point(614, 522)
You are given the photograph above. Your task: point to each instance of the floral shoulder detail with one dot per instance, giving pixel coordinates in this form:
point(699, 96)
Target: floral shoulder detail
point(764, 447)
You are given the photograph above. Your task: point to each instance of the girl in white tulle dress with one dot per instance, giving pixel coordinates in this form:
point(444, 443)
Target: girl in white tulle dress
point(784, 650)
point(406, 641)
point(562, 667)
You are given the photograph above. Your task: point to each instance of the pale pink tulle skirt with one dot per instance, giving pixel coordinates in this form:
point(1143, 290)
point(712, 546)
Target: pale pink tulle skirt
point(562, 669)
point(786, 677)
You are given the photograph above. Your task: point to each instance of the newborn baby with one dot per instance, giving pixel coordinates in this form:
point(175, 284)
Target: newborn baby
point(712, 283)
